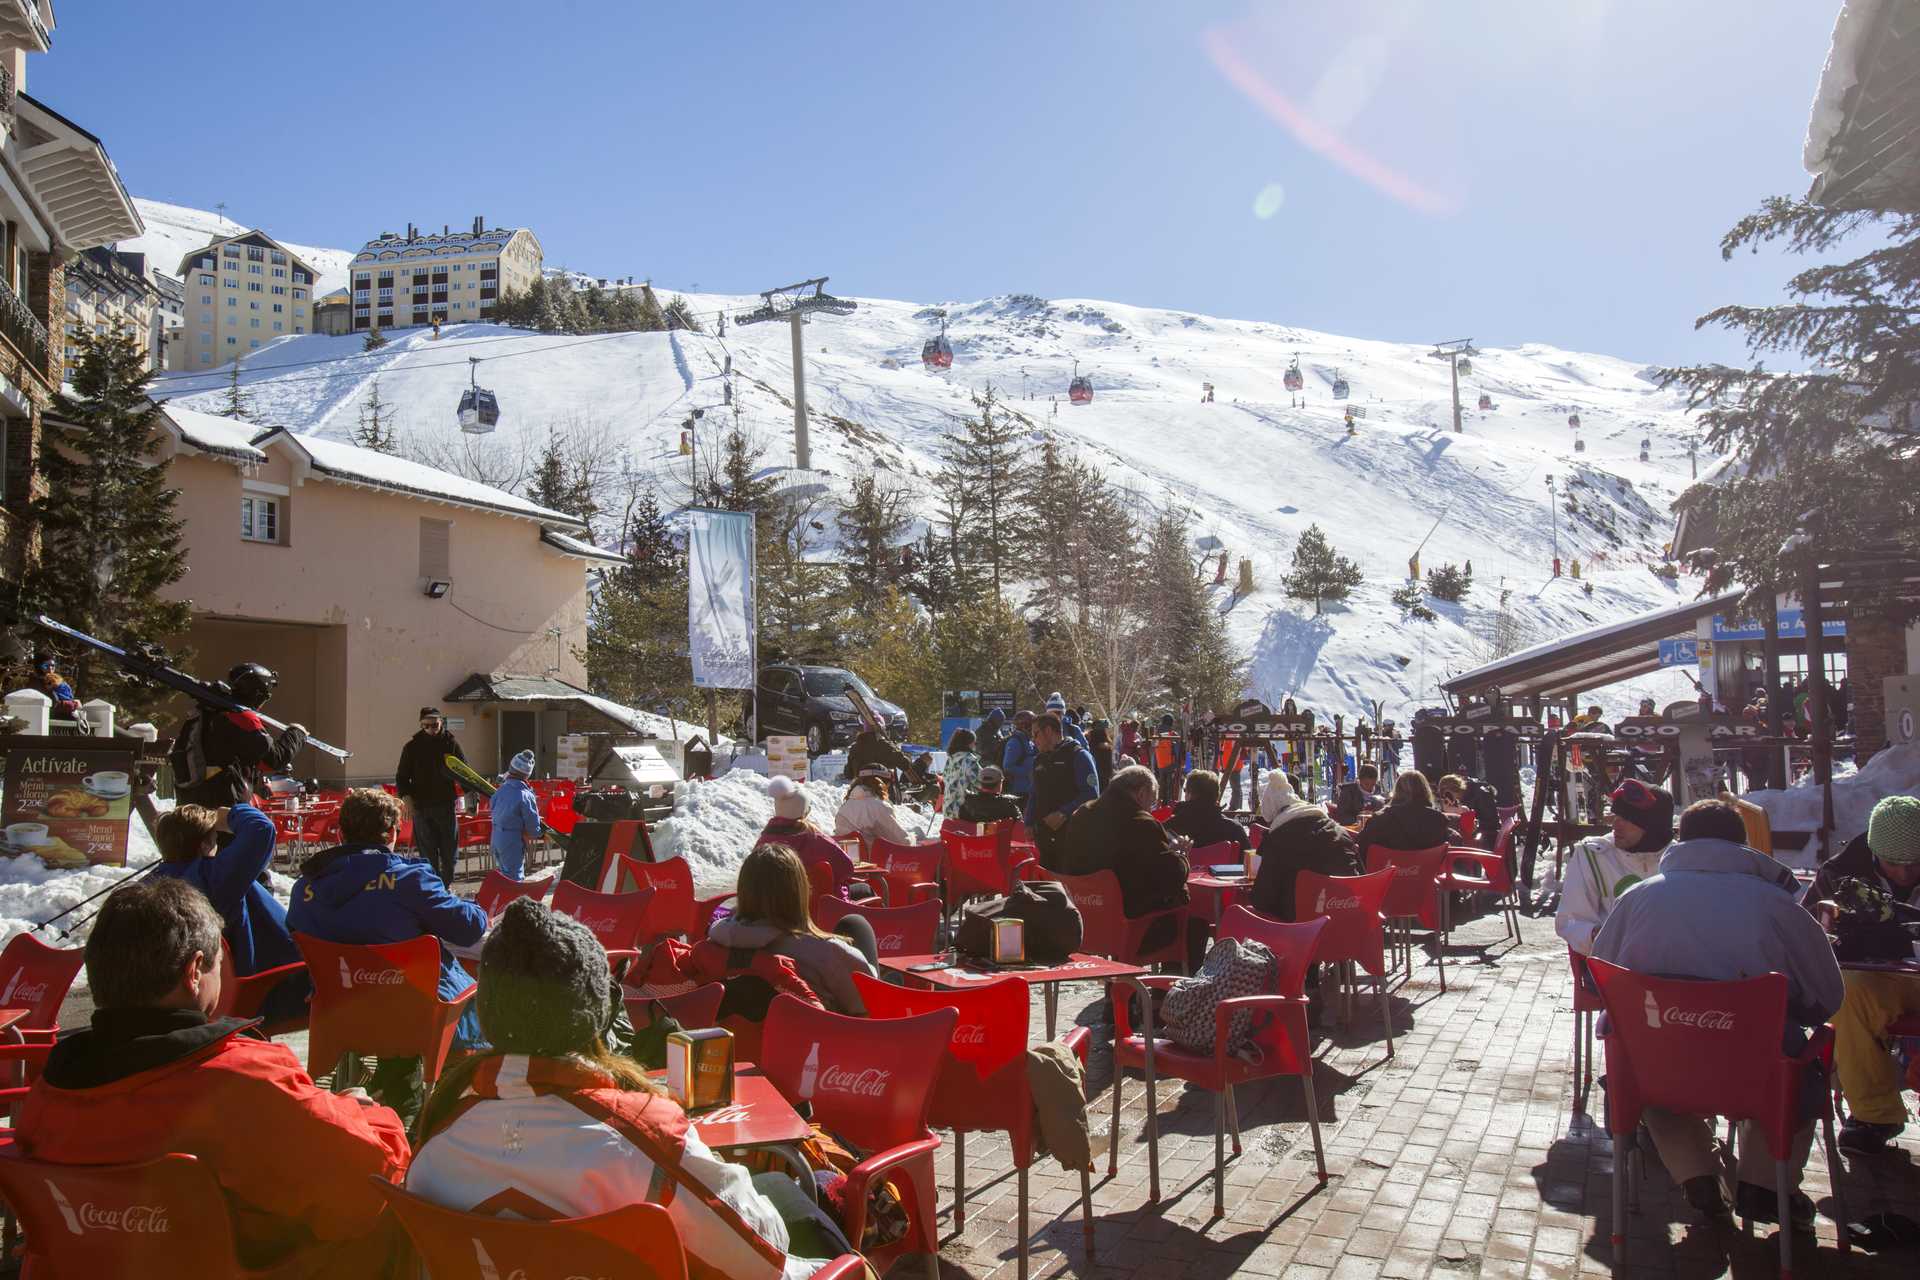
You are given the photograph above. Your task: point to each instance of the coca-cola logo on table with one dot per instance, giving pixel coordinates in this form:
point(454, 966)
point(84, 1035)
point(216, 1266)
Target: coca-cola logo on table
point(868, 1082)
point(133, 1219)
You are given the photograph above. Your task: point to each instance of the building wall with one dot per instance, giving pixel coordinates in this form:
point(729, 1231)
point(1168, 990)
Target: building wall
point(453, 278)
point(347, 567)
point(101, 298)
point(230, 296)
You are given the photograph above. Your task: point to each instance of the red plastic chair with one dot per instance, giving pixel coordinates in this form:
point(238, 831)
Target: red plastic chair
point(899, 931)
point(173, 1215)
point(820, 882)
point(1707, 1049)
point(982, 1086)
point(1586, 1003)
point(984, 864)
point(1413, 897)
point(1356, 931)
point(870, 1082)
point(693, 1009)
point(1282, 1036)
point(675, 910)
point(475, 832)
point(1106, 929)
point(1489, 874)
point(35, 977)
point(500, 889)
point(383, 1000)
point(320, 825)
point(243, 997)
point(909, 872)
point(20, 1066)
point(618, 920)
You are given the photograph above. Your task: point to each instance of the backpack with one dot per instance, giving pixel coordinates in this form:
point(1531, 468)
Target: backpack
point(187, 757)
point(1232, 969)
point(1053, 926)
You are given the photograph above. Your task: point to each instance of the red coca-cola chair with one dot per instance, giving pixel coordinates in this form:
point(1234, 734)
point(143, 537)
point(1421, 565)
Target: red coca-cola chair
point(244, 997)
point(1356, 932)
point(1107, 930)
point(1281, 1034)
point(908, 873)
point(982, 1086)
point(499, 889)
point(869, 1082)
point(618, 920)
point(1484, 871)
point(898, 931)
point(676, 911)
point(36, 977)
point(381, 1000)
point(627, 836)
point(1708, 1049)
point(978, 866)
point(1413, 898)
point(1586, 1003)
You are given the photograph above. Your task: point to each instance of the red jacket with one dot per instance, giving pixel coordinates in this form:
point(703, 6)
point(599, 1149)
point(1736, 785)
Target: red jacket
point(292, 1158)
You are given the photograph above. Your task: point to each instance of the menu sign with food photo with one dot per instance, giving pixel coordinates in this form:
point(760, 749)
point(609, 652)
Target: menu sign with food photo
point(69, 806)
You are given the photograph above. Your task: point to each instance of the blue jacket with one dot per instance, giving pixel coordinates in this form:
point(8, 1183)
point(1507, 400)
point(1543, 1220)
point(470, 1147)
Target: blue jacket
point(1085, 785)
point(366, 893)
point(1074, 730)
point(1017, 763)
point(516, 815)
point(255, 925)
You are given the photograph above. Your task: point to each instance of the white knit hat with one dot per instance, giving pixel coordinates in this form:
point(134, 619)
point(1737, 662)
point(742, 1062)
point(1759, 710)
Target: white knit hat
point(789, 801)
point(522, 764)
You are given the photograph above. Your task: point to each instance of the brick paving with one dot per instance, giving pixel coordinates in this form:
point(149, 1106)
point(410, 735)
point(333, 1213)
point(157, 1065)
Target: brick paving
point(1459, 1157)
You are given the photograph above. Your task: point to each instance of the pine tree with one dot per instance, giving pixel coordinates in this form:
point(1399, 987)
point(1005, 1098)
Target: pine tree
point(238, 404)
point(375, 430)
point(561, 478)
point(1450, 582)
point(637, 616)
point(678, 314)
point(929, 576)
point(374, 340)
point(985, 476)
point(1319, 572)
point(109, 534)
point(871, 522)
point(1194, 664)
point(735, 483)
point(1412, 601)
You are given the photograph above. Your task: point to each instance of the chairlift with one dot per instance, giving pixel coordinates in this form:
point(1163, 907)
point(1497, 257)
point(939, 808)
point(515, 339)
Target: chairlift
point(1573, 420)
point(1486, 401)
point(1294, 379)
point(479, 410)
point(1340, 388)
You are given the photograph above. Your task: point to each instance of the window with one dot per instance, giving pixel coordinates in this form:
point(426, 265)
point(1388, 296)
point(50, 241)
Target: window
point(277, 326)
point(253, 269)
point(232, 301)
point(230, 282)
point(253, 306)
point(231, 251)
point(278, 307)
point(232, 341)
point(207, 299)
point(280, 273)
point(259, 518)
point(254, 286)
point(279, 288)
point(206, 357)
point(205, 337)
point(255, 322)
point(256, 253)
point(278, 256)
point(206, 279)
point(255, 343)
point(299, 328)
point(299, 293)
point(436, 549)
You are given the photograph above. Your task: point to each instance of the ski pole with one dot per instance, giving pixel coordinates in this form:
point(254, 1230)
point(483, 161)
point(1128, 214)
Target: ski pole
point(117, 884)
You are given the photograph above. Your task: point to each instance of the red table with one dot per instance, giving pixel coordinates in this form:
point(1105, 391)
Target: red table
point(758, 1118)
point(10, 1018)
point(1219, 887)
point(958, 975)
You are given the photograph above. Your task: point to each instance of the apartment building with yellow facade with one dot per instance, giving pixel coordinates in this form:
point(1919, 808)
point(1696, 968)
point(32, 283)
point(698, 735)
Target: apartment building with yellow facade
point(456, 277)
point(242, 292)
point(108, 290)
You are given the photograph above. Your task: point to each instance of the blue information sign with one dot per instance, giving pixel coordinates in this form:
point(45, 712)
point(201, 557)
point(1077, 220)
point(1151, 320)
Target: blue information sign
point(1792, 627)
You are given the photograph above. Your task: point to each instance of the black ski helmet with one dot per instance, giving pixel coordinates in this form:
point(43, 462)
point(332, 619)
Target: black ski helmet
point(252, 683)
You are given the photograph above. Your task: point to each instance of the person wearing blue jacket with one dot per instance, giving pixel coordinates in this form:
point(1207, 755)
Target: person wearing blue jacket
point(1016, 761)
point(361, 892)
point(1057, 703)
point(252, 920)
point(516, 817)
point(1064, 778)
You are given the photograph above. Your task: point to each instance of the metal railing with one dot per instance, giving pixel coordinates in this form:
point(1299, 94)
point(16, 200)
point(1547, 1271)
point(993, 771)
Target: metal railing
point(22, 328)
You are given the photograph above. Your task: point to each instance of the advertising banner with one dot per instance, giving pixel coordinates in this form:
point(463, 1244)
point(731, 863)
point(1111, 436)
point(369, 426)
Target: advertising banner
point(720, 603)
point(68, 801)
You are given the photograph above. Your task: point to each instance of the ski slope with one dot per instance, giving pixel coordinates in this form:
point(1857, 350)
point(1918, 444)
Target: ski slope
point(1256, 466)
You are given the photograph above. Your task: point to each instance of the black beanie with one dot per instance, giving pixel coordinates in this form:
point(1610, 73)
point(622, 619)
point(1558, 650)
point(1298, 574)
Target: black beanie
point(1650, 809)
point(545, 989)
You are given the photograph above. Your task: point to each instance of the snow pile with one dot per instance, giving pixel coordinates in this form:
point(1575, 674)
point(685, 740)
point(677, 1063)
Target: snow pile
point(715, 824)
point(1895, 771)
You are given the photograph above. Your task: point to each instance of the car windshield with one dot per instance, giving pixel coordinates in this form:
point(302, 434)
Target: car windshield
point(833, 684)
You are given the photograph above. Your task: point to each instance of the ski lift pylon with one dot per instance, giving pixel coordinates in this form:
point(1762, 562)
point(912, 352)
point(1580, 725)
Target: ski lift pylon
point(479, 411)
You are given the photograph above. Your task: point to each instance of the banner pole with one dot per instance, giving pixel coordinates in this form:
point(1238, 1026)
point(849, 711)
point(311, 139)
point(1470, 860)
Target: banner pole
point(753, 594)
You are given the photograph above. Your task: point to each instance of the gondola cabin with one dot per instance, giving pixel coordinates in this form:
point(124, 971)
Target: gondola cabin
point(937, 353)
point(1579, 445)
point(1294, 379)
point(479, 411)
point(1486, 401)
point(1340, 388)
point(1080, 390)
point(1573, 420)
point(1464, 366)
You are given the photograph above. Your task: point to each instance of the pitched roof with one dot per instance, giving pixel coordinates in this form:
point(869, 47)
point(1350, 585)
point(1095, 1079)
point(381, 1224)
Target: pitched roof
point(254, 236)
point(211, 433)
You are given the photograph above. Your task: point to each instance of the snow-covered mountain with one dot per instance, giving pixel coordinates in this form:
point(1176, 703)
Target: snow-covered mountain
point(1257, 465)
point(173, 231)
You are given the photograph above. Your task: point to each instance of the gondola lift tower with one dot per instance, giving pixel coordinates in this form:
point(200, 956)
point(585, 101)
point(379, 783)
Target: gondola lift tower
point(1456, 352)
point(792, 303)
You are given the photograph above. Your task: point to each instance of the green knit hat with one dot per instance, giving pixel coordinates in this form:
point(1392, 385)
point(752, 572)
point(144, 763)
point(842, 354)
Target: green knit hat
point(1893, 832)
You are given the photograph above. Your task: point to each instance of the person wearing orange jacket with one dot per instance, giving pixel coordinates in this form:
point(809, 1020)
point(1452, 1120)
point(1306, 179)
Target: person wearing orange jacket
point(156, 1072)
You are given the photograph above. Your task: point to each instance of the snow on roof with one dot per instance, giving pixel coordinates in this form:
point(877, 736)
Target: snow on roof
point(211, 433)
point(338, 460)
point(1857, 20)
point(576, 547)
point(648, 722)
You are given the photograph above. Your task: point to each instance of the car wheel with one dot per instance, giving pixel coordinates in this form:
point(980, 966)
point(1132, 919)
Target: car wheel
point(818, 739)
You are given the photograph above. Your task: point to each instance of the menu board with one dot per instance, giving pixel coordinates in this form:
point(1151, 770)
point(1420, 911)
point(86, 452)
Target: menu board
point(67, 803)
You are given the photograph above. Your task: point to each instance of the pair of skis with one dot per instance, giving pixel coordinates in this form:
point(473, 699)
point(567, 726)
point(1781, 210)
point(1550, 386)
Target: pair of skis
point(466, 773)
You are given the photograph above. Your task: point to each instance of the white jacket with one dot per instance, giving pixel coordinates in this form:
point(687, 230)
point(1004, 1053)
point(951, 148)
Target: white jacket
point(868, 814)
point(1598, 871)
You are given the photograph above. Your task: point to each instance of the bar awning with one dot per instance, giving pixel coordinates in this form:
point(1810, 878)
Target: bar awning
point(1590, 659)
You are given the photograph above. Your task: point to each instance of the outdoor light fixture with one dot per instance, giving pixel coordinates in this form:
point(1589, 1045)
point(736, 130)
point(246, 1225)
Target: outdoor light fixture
point(437, 588)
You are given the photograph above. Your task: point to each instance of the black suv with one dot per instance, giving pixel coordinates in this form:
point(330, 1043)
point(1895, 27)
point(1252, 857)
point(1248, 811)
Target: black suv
point(812, 701)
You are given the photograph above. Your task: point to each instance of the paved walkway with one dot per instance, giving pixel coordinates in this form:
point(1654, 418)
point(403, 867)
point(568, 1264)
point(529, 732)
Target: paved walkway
point(1459, 1157)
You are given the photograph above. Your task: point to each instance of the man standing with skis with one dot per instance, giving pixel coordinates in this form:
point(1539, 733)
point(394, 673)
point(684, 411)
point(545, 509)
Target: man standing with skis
point(423, 782)
point(225, 752)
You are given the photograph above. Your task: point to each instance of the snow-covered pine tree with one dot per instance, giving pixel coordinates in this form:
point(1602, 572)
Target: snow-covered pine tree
point(109, 535)
point(238, 404)
point(374, 340)
point(1450, 582)
point(1197, 667)
point(1319, 572)
point(872, 522)
point(375, 429)
point(985, 473)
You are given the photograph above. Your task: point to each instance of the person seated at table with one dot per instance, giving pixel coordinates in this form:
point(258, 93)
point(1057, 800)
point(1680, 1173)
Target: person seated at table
point(1885, 857)
point(1410, 820)
point(1117, 833)
point(156, 1072)
point(253, 922)
point(1719, 911)
point(1198, 816)
point(1359, 795)
point(985, 804)
point(790, 826)
point(1303, 837)
point(551, 1123)
point(361, 892)
point(1601, 868)
point(865, 812)
point(771, 914)
point(1277, 794)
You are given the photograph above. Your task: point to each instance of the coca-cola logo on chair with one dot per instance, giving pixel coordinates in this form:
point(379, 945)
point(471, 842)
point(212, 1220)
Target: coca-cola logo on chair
point(1675, 1016)
point(132, 1219)
point(868, 1082)
point(351, 978)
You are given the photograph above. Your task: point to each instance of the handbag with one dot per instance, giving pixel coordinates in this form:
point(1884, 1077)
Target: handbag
point(1234, 968)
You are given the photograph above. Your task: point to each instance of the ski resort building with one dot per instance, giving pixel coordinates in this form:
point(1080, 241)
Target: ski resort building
point(402, 281)
point(242, 291)
point(375, 586)
point(108, 290)
point(59, 195)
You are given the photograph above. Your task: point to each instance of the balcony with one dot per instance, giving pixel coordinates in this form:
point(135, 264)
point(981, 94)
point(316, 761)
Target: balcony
point(6, 99)
point(23, 329)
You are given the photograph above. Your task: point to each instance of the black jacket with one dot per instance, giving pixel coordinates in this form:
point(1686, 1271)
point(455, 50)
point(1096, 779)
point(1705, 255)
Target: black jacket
point(1204, 824)
point(1102, 754)
point(1349, 802)
point(978, 806)
point(126, 1042)
point(1115, 834)
point(1303, 838)
point(1405, 826)
point(422, 775)
point(871, 751)
point(238, 750)
point(1855, 861)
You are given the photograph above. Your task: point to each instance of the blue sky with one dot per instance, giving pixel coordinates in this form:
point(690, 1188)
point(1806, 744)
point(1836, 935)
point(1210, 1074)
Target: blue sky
point(1516, 170)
